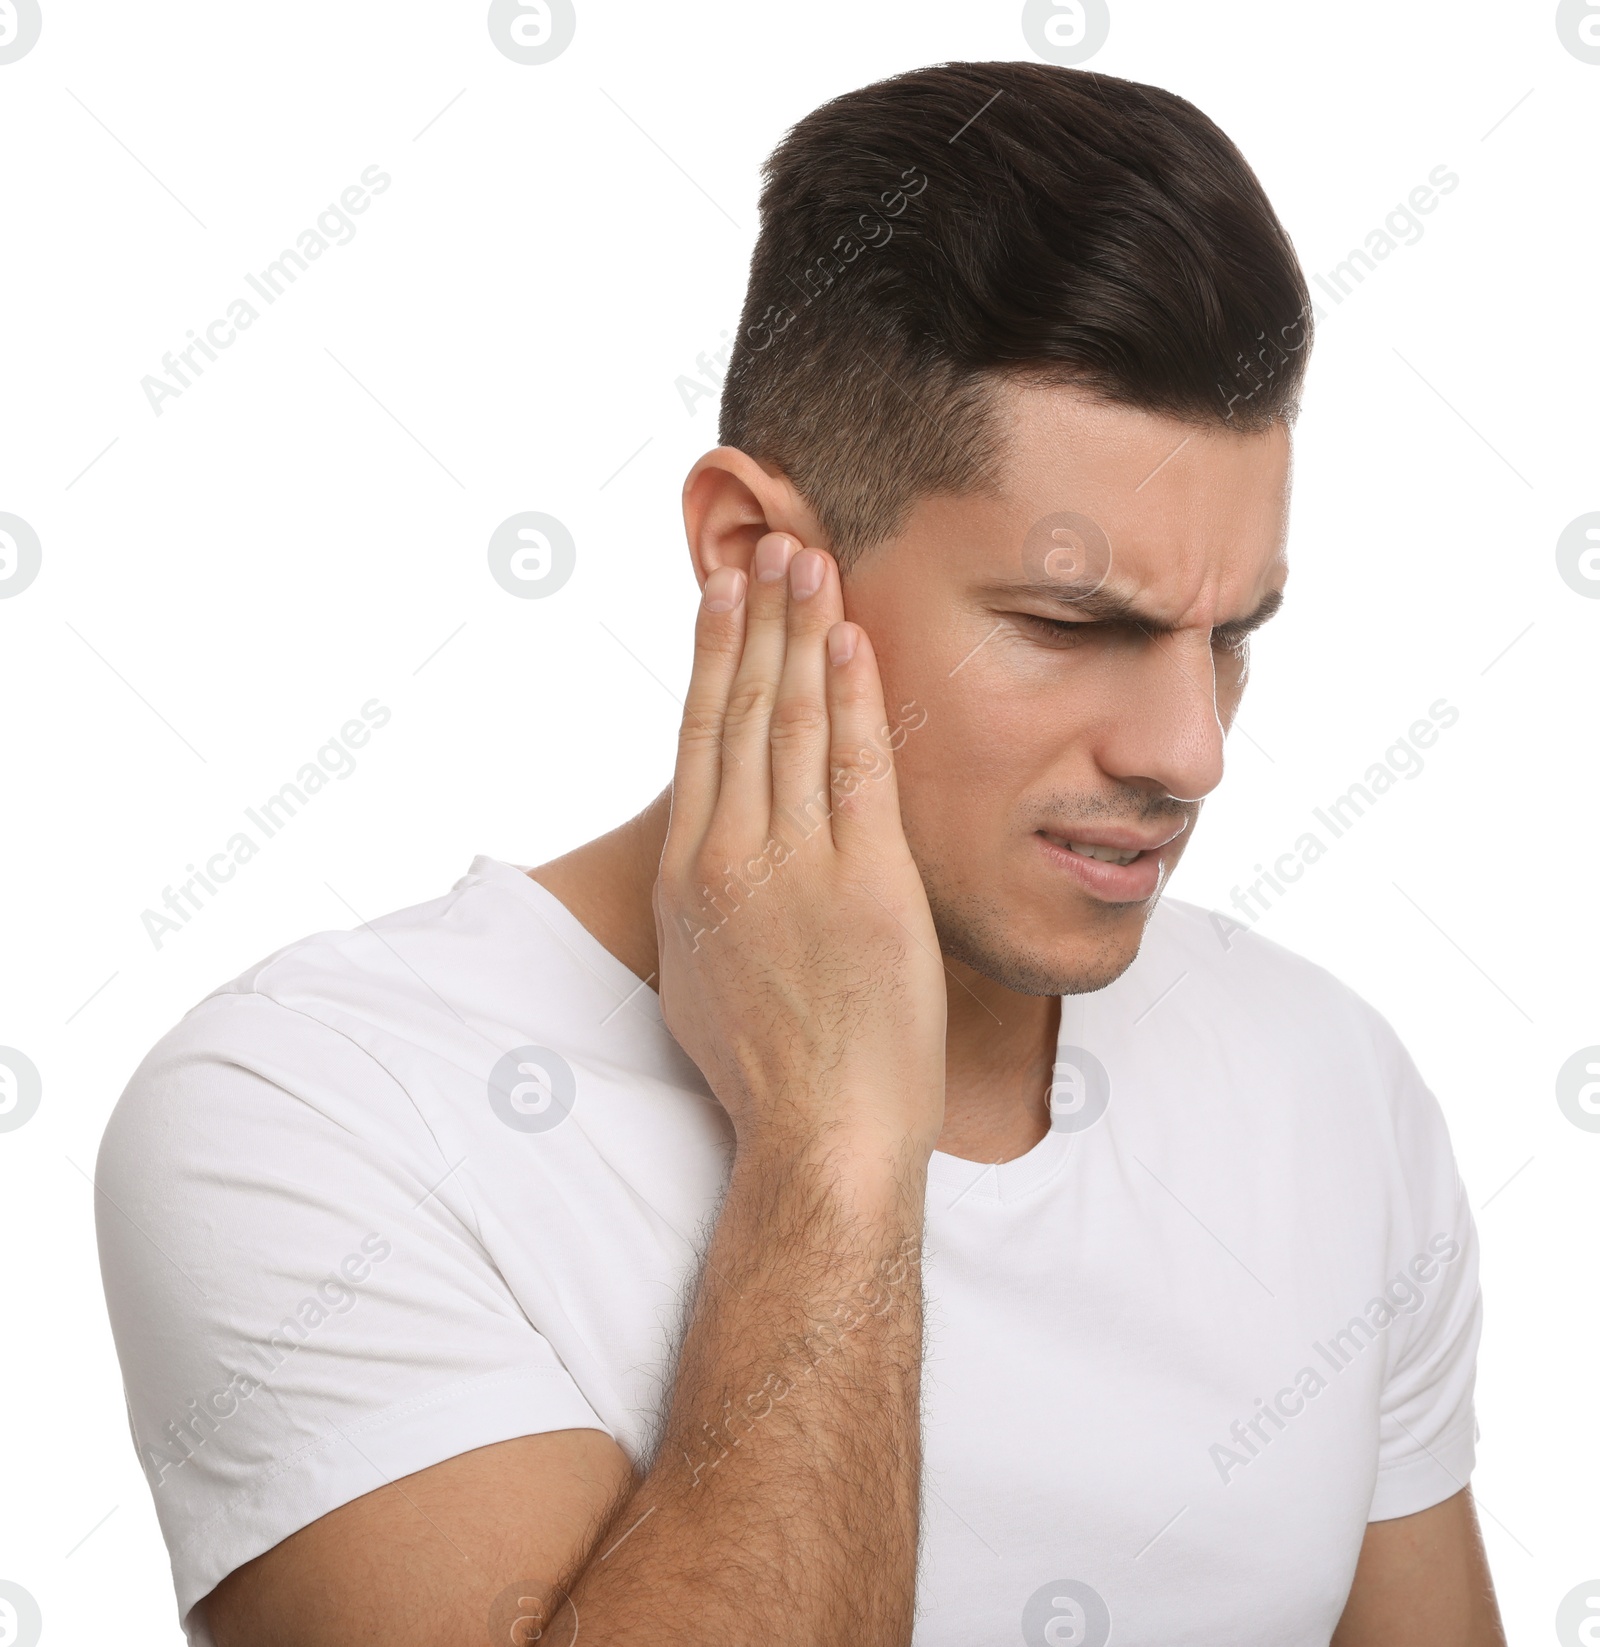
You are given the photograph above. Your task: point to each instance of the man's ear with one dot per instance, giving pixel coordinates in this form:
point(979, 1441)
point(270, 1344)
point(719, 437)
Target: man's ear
point(730, 502)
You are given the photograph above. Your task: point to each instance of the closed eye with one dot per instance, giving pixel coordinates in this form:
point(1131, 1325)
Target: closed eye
point(1061, 632)
point(1064, 633)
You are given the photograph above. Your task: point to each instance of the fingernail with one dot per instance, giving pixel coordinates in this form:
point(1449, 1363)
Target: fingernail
point(724, 589)
point(805, 574)
point(841, 643)
point(772, 557)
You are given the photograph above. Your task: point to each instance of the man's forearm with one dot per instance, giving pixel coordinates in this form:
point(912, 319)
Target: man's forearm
point(783, 1499)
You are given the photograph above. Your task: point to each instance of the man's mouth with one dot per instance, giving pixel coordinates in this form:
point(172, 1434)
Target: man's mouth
point(1113, 846)
point(1087, 849)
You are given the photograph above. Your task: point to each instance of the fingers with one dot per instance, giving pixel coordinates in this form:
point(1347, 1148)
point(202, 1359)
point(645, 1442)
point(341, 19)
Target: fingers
point(744, 808)
point(718, 641)
point(800, 715)
point(769, 722)
point(866, 804)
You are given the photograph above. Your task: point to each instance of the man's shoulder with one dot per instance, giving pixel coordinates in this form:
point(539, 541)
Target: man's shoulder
point(426, 958)
point(324, 978)
point(1262, 985)
point(347, 1014)
point(378, 1028)
point(412, 952)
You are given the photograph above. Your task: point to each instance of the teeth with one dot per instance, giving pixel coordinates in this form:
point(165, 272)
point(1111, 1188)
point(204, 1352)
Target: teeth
point(1107, 853)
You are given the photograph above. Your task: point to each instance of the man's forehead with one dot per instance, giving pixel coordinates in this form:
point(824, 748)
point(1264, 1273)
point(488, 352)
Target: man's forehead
point(1112, 495)
point(1068, 431)
point(1061, 449)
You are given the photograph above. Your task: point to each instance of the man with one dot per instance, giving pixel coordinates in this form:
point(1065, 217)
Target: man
point(847, 1202)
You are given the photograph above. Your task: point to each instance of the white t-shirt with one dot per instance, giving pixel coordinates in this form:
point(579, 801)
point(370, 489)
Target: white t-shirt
point(402, 1192)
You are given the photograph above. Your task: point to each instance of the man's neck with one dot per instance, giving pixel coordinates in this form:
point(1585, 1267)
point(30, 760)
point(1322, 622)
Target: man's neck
point(999, 1045)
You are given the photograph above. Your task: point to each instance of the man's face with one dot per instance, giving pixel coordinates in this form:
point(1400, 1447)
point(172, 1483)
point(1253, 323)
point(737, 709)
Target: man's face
point(1076, 641)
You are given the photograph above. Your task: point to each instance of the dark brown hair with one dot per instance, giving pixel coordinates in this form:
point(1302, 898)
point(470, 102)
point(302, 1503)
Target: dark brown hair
point(926, 233)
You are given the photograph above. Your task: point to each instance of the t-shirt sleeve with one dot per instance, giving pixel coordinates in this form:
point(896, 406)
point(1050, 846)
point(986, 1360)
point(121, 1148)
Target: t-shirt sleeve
point(1427, 1429)
point(301, 1304)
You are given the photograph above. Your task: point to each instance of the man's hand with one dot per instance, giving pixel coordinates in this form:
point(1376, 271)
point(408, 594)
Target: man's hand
point(799, 965)
point(782, 1503)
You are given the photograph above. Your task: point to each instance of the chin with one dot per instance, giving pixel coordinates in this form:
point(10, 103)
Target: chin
point(1034, 963)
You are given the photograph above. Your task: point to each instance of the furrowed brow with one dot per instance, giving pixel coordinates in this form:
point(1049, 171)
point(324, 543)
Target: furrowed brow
point(1102, 605)
point(1089, 601)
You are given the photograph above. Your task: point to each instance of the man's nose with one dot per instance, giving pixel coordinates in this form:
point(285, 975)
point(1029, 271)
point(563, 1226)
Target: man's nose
point(1162, 725)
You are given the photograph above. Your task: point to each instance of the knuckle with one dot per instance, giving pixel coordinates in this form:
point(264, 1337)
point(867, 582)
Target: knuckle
point(798, 720)
point(852, 777)
point(710, 865)
point(810, 620)
point(715, 653)
point(854, 764)
point(697, 731)
point(855, 689)
point(750, 700)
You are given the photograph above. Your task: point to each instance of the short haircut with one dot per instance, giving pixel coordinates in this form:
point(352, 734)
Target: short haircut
point(1079, 229)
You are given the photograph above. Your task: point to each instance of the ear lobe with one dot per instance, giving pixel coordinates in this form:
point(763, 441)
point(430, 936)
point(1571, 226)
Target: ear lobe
point(730, 502)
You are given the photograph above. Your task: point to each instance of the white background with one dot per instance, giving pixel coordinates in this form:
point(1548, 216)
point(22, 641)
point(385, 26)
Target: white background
point(304, 529)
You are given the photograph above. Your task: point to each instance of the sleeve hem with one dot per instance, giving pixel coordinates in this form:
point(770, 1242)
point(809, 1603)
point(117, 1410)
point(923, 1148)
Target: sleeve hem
point(1428, 1478)
point(358, 1459)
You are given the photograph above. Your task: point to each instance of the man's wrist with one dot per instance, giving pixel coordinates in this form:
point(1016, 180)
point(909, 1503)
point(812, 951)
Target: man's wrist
point(869, 1175)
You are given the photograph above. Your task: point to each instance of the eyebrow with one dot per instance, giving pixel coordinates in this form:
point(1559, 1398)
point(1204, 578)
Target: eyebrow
point(1107, 606)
